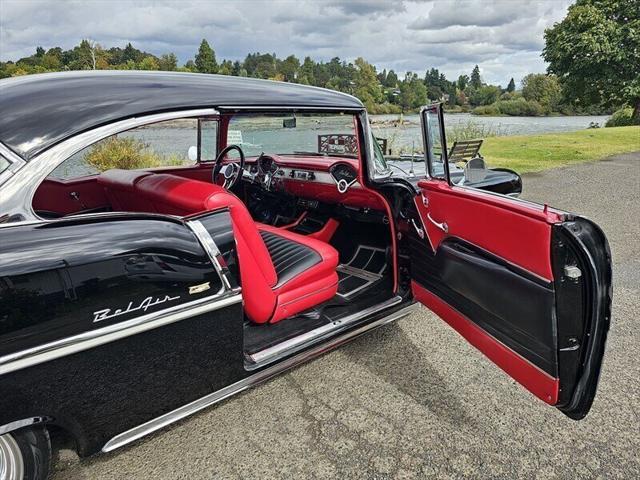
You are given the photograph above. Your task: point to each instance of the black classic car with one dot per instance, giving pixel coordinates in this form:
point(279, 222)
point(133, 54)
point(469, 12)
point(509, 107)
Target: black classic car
point(168, 240)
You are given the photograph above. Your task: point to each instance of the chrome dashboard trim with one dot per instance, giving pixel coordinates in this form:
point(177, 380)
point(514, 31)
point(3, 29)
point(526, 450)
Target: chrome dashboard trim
point(93, 338)
point(255, 379)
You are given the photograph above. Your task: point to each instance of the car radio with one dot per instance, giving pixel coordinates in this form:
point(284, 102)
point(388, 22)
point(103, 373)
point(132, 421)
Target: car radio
point(302, 175)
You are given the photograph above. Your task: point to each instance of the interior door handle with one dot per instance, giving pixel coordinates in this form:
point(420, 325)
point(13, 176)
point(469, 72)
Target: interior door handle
point(442, 226)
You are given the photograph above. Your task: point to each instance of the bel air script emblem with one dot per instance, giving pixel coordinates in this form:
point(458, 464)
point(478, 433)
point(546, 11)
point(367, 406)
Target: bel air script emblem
point(147, 303)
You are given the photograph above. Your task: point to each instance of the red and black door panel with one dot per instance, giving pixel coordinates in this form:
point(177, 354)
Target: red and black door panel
point(527, 286)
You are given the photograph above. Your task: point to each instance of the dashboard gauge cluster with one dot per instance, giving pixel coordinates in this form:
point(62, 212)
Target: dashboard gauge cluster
point(344, 175)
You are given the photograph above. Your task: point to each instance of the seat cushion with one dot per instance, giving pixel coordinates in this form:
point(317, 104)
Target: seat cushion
point(306, 274)
point(289, 257)
point(120, 189)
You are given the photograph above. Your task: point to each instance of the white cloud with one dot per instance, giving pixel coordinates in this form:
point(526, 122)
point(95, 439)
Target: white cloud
point(503, 36)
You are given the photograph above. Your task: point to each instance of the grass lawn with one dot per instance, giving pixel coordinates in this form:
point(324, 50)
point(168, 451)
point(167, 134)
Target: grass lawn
point(532, 153)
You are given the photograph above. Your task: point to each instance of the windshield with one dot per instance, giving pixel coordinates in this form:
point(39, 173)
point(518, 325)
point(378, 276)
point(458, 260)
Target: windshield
point(295, 134)
point(398, 141)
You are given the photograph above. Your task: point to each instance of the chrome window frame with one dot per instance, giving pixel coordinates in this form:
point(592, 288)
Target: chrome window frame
point(373, 172)
point(15, 163)
point(18, 193)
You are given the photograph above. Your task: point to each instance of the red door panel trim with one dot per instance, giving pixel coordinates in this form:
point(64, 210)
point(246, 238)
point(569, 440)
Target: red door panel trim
point(515, 231)
point(540, 383)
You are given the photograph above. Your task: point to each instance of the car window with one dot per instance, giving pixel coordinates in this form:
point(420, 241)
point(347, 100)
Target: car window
point(208, 140)
point(162, 144)
point(299, 134)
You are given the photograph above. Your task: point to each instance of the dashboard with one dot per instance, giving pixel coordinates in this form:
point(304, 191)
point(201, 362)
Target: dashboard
point(323, 178)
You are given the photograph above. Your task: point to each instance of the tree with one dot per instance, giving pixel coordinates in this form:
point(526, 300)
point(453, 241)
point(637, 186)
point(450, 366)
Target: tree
point(289, 68)
point(413, 92)
point(475, 81)
point(463, 81)
point(392, 80)
point(131, 53)
point(148, 63)
point(485, 95)
point(367, 88)
point(544, 89)
point(306, 71)
point(512, 86)
point(205, 60)
point(226, 68)
point(595, 52)
point(168, 62)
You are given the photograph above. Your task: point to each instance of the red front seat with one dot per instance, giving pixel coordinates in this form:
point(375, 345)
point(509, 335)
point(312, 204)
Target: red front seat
point(282, 273)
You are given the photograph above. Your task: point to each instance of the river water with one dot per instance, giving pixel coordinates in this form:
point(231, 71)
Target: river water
point(407, 136)
point(402, 137)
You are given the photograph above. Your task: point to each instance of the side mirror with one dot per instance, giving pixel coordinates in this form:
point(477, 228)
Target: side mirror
point(192, 153)
point(475, 170)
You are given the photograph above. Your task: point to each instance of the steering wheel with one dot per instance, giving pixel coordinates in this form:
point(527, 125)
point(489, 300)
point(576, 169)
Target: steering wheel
point(232, 171)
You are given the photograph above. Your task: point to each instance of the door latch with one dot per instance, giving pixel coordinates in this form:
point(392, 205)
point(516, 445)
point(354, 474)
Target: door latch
point(572, 272)
point(419, 231)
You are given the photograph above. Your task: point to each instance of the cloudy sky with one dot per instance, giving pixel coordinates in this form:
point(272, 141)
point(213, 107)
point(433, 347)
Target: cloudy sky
point(503, 36)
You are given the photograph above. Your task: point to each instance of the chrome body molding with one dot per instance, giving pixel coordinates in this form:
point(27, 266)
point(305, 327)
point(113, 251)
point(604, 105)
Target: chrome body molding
point(295, 344)
point(100, 336)
point(18, 191)
point(258, 377)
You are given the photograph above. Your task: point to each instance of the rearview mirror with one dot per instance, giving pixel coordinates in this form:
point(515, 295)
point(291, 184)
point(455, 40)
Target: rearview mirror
point(289, 122)
point(192, 153)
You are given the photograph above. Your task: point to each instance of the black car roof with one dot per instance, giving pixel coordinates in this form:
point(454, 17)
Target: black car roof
point(38, 111)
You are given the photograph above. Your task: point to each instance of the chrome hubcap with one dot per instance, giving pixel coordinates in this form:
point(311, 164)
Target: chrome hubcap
point(11, 465)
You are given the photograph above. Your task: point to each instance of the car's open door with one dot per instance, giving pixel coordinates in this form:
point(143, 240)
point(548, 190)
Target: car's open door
point(527, 285)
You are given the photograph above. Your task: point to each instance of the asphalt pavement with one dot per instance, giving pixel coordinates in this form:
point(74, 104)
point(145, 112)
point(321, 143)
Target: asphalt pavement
point(413, 399)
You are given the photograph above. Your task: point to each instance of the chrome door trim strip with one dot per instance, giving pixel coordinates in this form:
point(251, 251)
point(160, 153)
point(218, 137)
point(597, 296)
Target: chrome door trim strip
point(100, 336)
point(259, 377)
point(295, 344)
point(209, 246)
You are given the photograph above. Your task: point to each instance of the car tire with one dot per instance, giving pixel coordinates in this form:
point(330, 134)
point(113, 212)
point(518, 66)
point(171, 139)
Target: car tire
point(25, 454)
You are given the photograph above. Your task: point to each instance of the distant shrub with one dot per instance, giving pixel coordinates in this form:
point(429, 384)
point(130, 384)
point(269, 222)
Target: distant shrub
point(622, 118)
point(516, 106)
point(471, 130)
point(520, 107)
point(487, 110)
point(452, 108)
point(126, 153)
point(383, 108)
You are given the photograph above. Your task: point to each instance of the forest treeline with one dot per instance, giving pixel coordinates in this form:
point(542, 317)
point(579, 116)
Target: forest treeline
point(381, 91)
